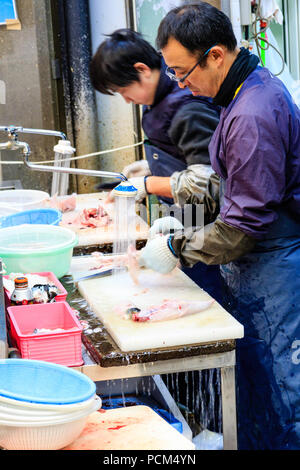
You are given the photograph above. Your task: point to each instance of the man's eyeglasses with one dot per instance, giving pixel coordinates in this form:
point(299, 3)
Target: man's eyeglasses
point(171, 74)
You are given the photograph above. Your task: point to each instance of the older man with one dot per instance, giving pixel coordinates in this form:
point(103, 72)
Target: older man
point(256, 236)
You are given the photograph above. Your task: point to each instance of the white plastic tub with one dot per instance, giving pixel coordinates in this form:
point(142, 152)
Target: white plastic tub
point(48, 433)
point(18, 410)
point(23, 199)
point(6, 210)
point(47, 437)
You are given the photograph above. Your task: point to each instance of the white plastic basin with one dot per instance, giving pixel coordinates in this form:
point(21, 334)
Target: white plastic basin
point(23, 199)
point(43, 433)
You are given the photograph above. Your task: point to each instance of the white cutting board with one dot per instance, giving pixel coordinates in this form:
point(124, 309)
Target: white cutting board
point(132, 428)
point(100, 235)
point(105, 294)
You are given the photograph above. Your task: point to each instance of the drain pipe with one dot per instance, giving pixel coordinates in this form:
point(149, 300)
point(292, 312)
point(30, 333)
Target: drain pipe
point(235, 16)
point(76, 55)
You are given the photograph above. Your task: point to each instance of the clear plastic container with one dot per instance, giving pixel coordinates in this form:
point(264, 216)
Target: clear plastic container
point(37, 248)
point(23, 199)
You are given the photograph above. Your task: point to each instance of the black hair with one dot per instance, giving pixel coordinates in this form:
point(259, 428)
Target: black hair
point(112, 66)
point(197, 26)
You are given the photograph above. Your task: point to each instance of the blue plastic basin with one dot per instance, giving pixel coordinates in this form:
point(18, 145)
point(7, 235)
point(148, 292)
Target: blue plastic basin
point(34, 216)
point(43, 382)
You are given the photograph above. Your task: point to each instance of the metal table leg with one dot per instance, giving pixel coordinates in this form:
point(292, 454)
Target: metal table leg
point(229, 408)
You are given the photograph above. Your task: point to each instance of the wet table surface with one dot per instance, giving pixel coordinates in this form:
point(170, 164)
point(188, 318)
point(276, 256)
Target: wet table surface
point(105, 352)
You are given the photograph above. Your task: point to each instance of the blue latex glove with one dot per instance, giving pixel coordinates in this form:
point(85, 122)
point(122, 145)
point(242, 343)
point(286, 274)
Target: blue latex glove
point(158, 256)
point(164, 226)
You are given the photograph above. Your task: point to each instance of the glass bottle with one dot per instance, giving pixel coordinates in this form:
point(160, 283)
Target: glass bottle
point(22, 294)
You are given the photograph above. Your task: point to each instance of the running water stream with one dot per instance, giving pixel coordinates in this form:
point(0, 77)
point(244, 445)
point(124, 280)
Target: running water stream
point(198, 396)
point(124, 221)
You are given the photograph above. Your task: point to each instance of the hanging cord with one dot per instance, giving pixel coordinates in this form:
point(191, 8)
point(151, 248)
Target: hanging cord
point(75, 158)
point(257, 37)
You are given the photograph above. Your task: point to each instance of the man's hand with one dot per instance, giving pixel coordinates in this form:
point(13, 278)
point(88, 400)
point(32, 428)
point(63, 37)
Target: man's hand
point(158, 256)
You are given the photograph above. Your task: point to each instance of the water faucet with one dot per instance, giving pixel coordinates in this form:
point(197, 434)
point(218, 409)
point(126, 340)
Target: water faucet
point(14, 144)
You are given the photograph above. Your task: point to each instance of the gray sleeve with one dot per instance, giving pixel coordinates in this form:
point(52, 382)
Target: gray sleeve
point(189, 185)
point(216, 243)
point(191, 130)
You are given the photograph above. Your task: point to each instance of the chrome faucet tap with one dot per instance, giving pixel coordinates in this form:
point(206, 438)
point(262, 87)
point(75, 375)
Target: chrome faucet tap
point(14, 144)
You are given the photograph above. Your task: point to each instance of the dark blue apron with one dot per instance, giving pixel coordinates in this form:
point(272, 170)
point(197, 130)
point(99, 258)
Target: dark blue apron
point(162, 163)
point(262, 291)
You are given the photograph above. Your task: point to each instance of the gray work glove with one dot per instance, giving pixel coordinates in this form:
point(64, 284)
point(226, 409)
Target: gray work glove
point(139, 168)
point(165, 225)
point(139, 184)
point(158, 256)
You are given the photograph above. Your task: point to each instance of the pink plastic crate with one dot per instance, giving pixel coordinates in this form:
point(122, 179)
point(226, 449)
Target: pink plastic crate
point(61, 297)
point(60, 347)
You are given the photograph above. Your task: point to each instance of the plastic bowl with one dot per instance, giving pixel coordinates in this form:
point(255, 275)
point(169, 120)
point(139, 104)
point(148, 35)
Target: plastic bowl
point(19, 411)
point(35, 216)
point(9, 418)
point(43, 382)
point(6, 209)
point(44, 432)
point(37, 248)
point(37, 437)
point(23, 199)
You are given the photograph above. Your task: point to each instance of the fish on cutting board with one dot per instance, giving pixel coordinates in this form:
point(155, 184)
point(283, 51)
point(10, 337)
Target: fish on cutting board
point(63, 204)
point(101, 260)
point(88, 218)
point(167, 310)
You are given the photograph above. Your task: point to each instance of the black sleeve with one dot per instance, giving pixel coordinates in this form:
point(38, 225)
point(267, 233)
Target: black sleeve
point(191, 130)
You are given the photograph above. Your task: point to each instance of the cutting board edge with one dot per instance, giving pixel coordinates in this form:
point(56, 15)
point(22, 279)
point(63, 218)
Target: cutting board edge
point(239, 334)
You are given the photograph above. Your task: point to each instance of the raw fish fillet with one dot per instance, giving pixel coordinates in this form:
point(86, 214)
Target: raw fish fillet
point(171, 309)
point(105, 261)
point(93, 218)
point(63, 204)
point(128, 260)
